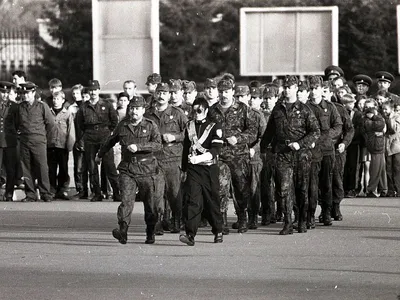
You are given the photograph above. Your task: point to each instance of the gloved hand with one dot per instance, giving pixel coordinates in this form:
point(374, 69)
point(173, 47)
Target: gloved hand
point(196, 159)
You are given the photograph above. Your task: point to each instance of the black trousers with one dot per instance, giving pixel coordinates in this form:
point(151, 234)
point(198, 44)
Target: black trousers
point(80, 171)
point(351, 169)
point(57, 160)
point(201, 192)
point(108, 161)
point(8, 159)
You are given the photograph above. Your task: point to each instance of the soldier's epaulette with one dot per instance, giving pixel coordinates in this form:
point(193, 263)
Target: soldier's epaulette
point(149, 120)
point(178, 109)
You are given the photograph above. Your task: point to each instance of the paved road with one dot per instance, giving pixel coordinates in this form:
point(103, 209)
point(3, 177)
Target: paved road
point(64, 250)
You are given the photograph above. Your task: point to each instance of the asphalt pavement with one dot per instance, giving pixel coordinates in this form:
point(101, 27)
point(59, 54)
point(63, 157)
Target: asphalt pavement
point(64, 250)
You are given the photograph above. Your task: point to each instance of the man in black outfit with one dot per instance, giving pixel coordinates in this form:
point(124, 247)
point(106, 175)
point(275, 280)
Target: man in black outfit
point(202, 143)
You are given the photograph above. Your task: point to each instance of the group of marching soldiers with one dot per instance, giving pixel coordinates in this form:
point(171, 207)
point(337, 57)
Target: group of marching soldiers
point(276, 150)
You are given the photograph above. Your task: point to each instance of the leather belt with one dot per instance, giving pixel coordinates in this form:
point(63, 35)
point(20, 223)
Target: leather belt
point(136, 160)
point(96, 127)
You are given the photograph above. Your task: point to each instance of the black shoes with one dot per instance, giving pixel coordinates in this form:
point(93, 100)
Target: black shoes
point(150, 239)
point(218, 238)
point(61, 196)
point(47, 198)
point(286, 230)
point(121, 233)
point(96, 198)
point(187, 239)
point(82, 195)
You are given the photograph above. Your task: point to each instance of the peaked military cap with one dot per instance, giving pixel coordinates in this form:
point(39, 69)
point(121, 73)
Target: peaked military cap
point(123, 94)
point(348, 98)
point(303, 85)
point(137, 101)
point(175, 85)
point(5, 86)
point(188, 86)
point(162, 87)
point(270, 91)
point(210, 82)
point(225, 84)
point(153, 78)
point(315, 81)
point(384, 76)
point(93, 85)
point(363, 79)
point(256, 92)
point(290, 80)
point(255, 83)
point(228, 76)
point(27, 87)
point(333, 70)
point(242, 90)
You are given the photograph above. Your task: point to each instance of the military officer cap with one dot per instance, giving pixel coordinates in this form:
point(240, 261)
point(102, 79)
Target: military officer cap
point(348, 98)
point(154, 78)
point(225, 84)
point(162, 87)
point(270, 91)
point(255, 92)
point(188, 86)
point(303, 85)
point(242, 90)
point(384, 76)
point(314, 81)
point(27, 87)
point(211, 82)
point(290, 80)
point(175, 85)
point(123, 94)
point(362, 79)
point(255, 83)
point(93, 85)
point(333, 70)
point(228, 76)
point(5, 86)
point(137, 101)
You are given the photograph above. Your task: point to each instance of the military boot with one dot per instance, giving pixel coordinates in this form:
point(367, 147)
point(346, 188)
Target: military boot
point(121, 233)
point(242, 223)
point(225, 227)
point(150, 235)
point(336, 215)
point(327, 216)
point(310, 221)
point(287, 225)
point(159, 230)
point(175, 225)
point(252, 220)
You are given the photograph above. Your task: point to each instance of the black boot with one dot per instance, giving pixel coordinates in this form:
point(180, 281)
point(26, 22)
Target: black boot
point(242, 224)
point(327, 216)
point(150, 236)
point(175, 225)
point(252, 220)
point(287, 226)
point(159, 230)
point(310, 221)
point(337, 215)
point(121, 234)
point(225, 227)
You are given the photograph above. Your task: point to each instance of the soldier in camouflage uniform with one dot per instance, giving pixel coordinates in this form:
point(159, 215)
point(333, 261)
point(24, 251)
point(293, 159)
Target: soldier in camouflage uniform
point(268, 215)
point(342, 141)
point(292, 129)
point(324, 153)
point(239, 131)
point(140, 139)
point(172, 122)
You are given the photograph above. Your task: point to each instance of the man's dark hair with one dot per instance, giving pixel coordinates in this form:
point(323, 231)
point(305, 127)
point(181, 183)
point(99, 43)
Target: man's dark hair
point(201, 101)
point(19, 73)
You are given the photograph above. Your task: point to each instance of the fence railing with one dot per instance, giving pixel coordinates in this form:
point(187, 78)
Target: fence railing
point(17, 51)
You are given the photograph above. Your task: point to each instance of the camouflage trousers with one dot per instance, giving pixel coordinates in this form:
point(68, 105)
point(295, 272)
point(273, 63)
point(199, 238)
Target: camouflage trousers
point(241, 180)
point(268, 187)
point(151, 189)
point(292, 182)
point(253, 205)
point(225, 185)
point(314, 187)
point(337, 179)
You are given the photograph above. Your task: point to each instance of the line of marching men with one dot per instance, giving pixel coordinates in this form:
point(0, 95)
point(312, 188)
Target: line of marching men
point(274, 149)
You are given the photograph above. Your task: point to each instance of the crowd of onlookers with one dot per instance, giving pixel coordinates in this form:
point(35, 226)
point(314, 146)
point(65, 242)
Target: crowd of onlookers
point(372, 166)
